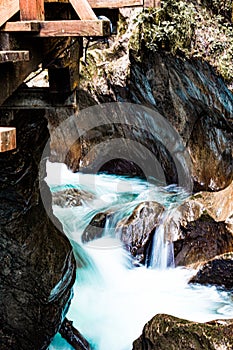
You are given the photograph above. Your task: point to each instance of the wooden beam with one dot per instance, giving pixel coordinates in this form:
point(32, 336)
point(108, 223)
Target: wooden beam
point(14, 56)
point(115, 3)
point(22, 26)
point(74, 28)
point(108, 3)
point(60, 28)
point(83, 9)
point(7, 139)
point(31, 10)
point(7, 9)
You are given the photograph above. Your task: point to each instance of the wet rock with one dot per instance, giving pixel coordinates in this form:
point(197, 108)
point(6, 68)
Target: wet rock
point(95, 229)
point(71, 197)
point(168, 332)
point(204, 239)
point(201, 227)
point(218, 271)
point(37, 264)
point(136, 232)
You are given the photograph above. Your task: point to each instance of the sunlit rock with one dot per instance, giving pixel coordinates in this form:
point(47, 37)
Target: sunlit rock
point(136, 232)
point(218, 271)
point(168, 332)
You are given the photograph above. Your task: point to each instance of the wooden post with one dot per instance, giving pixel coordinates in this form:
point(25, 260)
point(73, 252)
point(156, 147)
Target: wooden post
point(7, 139)
point(31, 10)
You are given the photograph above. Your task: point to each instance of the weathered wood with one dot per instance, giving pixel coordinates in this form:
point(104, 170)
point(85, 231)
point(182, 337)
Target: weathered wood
point(115, 3)
point(7, 9)
point(31, 10)
point(14, 56)
point(22, 26)
point(83, 9)
point(39, 98)
point(74, 28)
point(60, 28)
point(108, 3)
point(7, 139)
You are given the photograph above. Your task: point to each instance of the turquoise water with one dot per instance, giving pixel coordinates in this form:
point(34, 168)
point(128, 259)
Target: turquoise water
point(113, 299)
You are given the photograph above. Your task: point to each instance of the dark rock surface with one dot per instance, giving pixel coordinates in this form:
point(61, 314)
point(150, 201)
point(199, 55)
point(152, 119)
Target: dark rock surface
point(218, 271)
point(37, 264)
point(95, 229)
point(136, 232)
point(167, 332)
point(203, 239)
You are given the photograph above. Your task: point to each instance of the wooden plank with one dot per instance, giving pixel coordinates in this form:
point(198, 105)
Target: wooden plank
point(108, 3)
point(31, 10)
point(14, 56)
point(83, 9)
point(115, 3)
point(22, 26)
point(74, 28)
point(7, 9)
point(7, 139)
point(60, 28)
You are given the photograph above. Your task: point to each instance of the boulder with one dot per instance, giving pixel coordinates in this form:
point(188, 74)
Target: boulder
point(218, 271)
point(95, 229)
point(204, 239)
point(201, 227)
point(167, 332)
point(136, 231)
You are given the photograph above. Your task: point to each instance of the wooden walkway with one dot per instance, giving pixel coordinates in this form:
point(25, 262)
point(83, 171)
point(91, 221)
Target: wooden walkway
point(36, 32)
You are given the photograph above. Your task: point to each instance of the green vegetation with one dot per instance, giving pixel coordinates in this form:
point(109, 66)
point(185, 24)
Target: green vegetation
point(192, 28)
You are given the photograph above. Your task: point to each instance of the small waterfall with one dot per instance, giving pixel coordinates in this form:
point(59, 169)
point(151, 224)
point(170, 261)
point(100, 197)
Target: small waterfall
point(162, 252)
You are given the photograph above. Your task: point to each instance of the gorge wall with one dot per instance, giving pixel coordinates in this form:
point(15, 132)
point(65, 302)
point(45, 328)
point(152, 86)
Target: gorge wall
point(37, 263)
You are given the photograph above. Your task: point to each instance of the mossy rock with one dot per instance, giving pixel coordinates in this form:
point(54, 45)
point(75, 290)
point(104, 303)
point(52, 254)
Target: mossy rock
point(167, 332)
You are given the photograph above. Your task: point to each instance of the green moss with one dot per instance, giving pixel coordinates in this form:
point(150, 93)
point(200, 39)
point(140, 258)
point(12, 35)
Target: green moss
point(192, 28)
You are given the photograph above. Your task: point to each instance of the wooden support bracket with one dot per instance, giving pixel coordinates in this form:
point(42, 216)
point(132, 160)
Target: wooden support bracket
point(83, 9)
point(14, 56)
point(7, 139)
point(60, 28)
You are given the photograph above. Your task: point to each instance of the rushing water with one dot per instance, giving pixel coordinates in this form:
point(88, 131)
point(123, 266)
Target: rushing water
point(112, 298)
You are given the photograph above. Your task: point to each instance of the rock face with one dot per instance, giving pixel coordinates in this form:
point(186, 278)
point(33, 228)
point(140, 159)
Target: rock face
point(218, 271)
point(168, 332)
point(37, 264)
point(136, 232)
point(186, 92)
